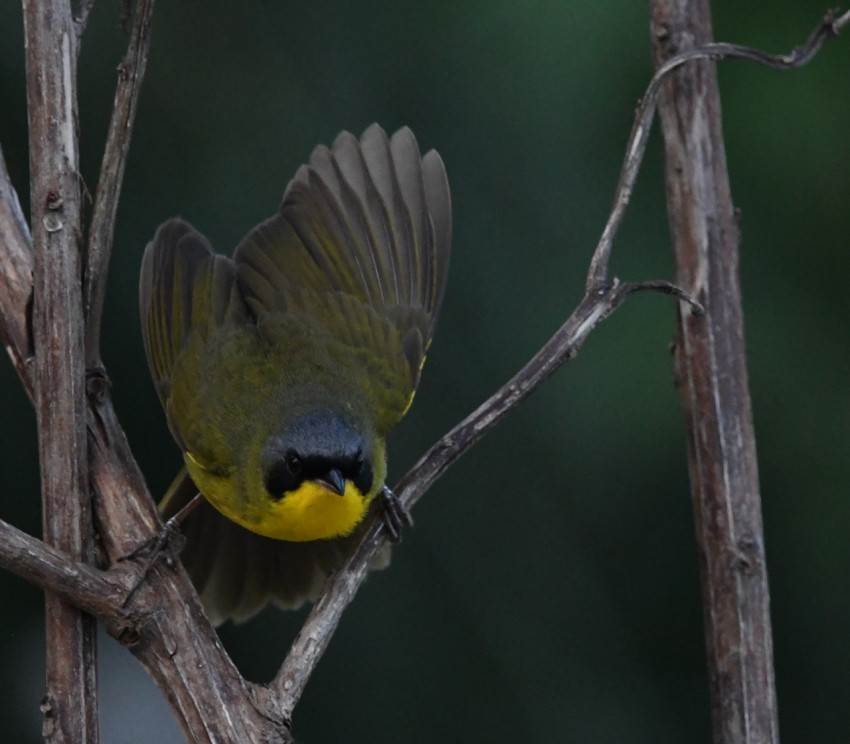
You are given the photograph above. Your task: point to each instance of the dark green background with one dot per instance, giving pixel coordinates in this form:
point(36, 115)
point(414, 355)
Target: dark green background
point(549, 591)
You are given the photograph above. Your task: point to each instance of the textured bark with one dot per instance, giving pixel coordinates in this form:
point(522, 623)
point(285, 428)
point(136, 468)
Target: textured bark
point(70, 702)
point(161, 621)
point(712, 375)
point(150, 606)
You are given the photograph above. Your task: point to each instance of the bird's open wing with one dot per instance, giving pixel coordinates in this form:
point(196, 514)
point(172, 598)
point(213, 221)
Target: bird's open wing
point(184, 287)
point(365, 223)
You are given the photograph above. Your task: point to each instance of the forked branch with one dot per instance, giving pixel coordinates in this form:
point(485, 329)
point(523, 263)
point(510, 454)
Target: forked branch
point(600, 299)
point(165, 644)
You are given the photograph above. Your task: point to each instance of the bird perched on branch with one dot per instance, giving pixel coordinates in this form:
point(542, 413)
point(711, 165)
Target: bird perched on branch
point(282, 370)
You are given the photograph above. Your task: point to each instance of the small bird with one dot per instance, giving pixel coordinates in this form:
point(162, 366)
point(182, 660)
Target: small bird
point(282, 370)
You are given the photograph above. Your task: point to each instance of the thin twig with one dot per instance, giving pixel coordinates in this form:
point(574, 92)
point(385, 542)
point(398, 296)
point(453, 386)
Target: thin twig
point(131, 72)
point(601, 298)
point(341, 587)
point(827, 29)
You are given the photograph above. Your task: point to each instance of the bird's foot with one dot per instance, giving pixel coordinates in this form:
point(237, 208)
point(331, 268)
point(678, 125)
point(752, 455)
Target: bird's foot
point(166, 544)
point(394, 515)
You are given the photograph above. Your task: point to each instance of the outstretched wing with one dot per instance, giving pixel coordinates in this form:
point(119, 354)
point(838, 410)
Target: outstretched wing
point(368, 221)
point(184, 289)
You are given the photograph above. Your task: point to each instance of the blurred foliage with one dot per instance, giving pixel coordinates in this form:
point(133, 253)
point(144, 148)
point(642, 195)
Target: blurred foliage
point(549, 591)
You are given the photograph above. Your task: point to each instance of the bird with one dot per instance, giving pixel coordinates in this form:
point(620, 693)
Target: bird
point(281, 370)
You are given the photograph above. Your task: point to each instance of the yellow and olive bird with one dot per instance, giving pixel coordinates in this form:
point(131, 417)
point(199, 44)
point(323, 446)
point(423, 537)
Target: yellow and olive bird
point(282, 370)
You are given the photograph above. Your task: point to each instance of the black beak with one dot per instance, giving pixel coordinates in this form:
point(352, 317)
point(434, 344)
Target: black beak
point(333, 481)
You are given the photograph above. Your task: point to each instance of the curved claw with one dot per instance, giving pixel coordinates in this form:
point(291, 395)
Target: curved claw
point(394, 515)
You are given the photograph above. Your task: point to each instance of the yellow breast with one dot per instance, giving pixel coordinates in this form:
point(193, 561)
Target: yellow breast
point(312, 512)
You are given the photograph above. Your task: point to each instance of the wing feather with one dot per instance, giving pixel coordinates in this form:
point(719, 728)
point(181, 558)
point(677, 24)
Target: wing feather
point(439, 201)
point(184, 287)
point(369, 219)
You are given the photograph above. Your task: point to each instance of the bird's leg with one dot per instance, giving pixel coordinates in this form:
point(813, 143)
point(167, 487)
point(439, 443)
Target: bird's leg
point(394, 515)
point(167, 542)
point(174, 522)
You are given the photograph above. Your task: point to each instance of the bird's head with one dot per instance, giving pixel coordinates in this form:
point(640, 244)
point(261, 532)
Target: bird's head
point(320, 474)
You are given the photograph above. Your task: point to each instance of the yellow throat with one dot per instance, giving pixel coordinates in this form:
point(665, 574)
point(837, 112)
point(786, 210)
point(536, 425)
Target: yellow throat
point(310, 512)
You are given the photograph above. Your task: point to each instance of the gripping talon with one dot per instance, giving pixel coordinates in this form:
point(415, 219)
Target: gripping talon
point(167, 543)
point(394, 515)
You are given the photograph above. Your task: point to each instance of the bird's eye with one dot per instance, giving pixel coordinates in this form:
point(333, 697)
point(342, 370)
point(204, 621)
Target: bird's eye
point(284, 475)
point(358, 462)
point(293, 462)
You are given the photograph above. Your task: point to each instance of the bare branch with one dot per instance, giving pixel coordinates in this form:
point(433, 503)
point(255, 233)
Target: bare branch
point(210, 699)
point(601, 298)
point(70, 703)
point(131, 72)
point(96, 592)
point(164, 624)
point(827, 29)
point(341, 587)
point(166, 628)
point(160, 618)
point(712, 374)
